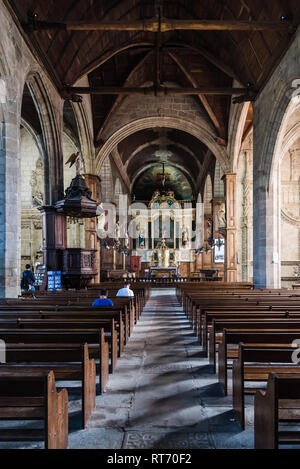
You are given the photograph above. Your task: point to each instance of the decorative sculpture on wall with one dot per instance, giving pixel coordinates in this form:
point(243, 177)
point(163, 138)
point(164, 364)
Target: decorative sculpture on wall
point(185, 236)
point(37, 183)
point(100, 220)
point(126, 240)
point(38, 199)
point(78, 186)
point(222, 216)
point(77, 159)
point(78, 200)
point(142, 241)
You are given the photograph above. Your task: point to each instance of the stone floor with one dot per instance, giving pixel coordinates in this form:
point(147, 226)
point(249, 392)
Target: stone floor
point(162, 395)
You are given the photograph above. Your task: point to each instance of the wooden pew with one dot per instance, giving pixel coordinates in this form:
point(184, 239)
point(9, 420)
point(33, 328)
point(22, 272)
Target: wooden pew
point(26, 395)
point(254, 363)
point(255, 323)
point(237, 306)
point(278, 403)
point(98, 347)
point(69, 362)
point(234, 337)
point(114, 339)
point(207, 314)
point(80, 312)
point(211, 326)
point(124, 307)
point(85, 297)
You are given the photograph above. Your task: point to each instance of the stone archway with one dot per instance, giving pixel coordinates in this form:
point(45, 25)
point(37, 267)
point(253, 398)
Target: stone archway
point(237, 125)
point(51, 128)
point(197, 131)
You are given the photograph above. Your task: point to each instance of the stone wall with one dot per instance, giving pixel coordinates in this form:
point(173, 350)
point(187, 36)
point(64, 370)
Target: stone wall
point(271, 109)
point(17, 66)
point(290, 215)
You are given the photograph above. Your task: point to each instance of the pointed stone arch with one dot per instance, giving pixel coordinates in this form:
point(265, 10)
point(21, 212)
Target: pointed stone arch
point(202, 133)
point(51, 129)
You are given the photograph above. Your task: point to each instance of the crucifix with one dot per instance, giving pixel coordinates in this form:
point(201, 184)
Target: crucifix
point(164, 177)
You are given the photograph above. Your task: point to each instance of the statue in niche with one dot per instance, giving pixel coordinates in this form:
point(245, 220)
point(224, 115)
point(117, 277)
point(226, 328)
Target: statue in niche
point(154, 258)
point(37, 199)
point(222, 216)
point(142, 241)
point(117, 231)
point(100, 218)
point(184, 236)
point(209, 228)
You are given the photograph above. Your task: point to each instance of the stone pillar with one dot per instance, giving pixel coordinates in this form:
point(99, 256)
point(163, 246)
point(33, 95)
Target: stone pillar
point(217, 204)
point(10, 183)
point(246, 223)
point(54, 237)
point(230, 267)
point(266, 232)
point(91, 239)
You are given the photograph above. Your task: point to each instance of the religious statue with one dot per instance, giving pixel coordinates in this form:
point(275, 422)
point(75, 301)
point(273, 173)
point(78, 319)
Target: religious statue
point(164, 254)
point(37, 199)
point(77, 159)
point(222, 216)
point(100, 220)
point(156, 194)
point(184, 236)
point(37, 182)
point(117, 231)
point(126, 240)
point(154, 258)
point(209, 228)
point(142, 241)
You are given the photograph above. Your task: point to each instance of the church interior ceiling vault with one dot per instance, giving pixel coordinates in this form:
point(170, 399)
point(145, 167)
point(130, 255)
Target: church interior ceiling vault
point(187, 59)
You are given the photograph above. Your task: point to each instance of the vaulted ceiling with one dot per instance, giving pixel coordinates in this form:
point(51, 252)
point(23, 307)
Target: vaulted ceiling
point(149, 148)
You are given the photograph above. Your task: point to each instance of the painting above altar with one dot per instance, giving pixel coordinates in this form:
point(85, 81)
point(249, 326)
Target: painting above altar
point(175, 180)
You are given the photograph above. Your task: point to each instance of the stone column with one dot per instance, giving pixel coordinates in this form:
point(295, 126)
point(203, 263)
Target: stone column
point(266, 232)
point(10, 183)
point(230, 267)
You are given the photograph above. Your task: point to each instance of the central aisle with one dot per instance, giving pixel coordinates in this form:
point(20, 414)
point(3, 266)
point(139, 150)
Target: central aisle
point(163, 394)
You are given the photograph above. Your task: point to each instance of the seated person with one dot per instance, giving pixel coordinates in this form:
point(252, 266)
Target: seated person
point(125, 291)
point(103, 300)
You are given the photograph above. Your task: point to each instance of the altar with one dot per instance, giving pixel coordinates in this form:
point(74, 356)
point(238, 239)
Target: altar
point(163, 272)
point(163, 236)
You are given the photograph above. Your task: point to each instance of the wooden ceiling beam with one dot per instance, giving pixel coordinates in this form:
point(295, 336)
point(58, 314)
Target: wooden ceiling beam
point(201, 97)
point(119, 98)
point(152, 25)
point(111, 53)
point(150, 90)
point(207, 55)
